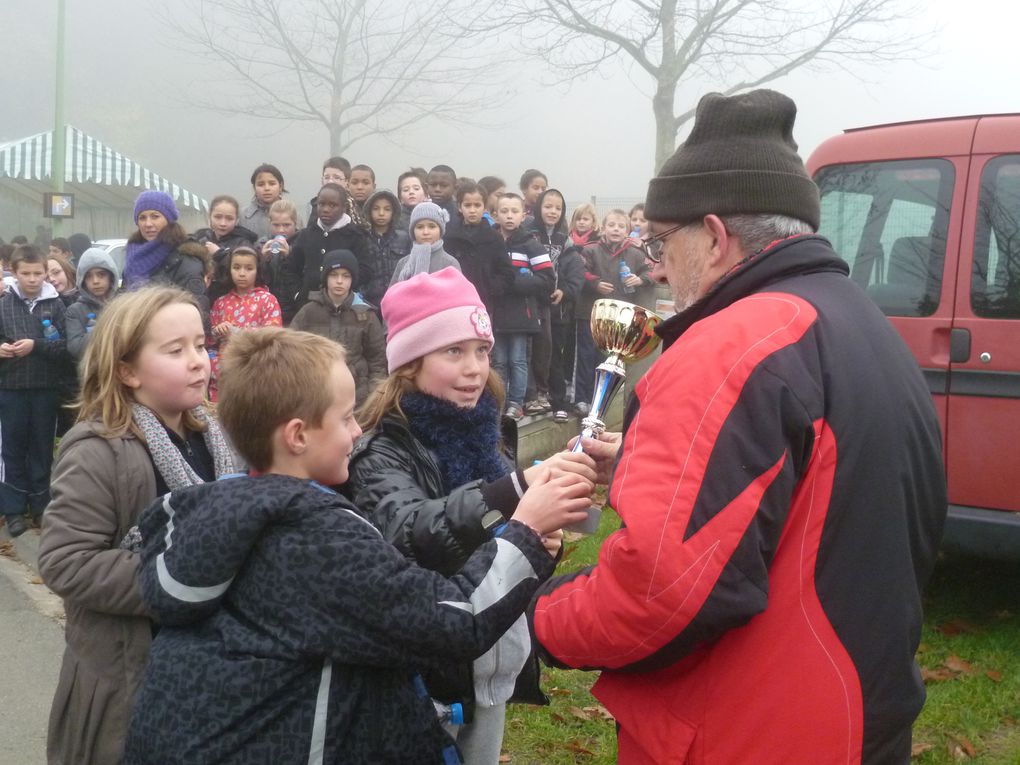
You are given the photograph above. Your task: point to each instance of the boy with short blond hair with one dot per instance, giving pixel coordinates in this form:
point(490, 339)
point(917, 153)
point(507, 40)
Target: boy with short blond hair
point(291, 631)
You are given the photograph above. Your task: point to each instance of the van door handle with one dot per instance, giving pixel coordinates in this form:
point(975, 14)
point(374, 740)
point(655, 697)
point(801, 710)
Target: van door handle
point(959, 345)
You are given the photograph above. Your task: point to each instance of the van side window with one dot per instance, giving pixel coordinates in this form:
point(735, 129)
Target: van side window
point(995, 280)
point(889, 221)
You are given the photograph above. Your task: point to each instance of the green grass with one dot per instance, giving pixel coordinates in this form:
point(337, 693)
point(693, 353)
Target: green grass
point(972, 615)
point(970, 654)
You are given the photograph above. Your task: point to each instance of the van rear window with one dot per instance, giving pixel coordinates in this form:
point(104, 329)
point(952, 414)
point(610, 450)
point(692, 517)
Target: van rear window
point(995, 279)
point(889, 221)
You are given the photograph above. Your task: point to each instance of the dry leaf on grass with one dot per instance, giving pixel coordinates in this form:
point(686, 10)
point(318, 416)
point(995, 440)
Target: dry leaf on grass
point(505, 758)
point(956, 664)
point(599, 712)
point(956, 627)
point(951, 669)
point(920, 748)
point(960, 748)
point(937, 675)
point(579, 713)
point(576, 748)
point(994, 676)
point(558, 692)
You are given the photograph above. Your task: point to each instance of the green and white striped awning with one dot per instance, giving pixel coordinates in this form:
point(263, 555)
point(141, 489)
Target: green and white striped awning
point(91, 167)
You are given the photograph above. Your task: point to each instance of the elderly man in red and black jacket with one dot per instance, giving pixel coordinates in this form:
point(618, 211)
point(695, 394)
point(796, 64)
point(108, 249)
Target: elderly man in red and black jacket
point(779, 477)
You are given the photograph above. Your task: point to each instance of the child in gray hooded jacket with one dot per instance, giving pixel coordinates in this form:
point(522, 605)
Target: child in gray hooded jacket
point(98, 277)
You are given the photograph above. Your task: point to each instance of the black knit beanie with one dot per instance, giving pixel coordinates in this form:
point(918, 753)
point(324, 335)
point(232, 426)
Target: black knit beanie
point(740, 158)
point(339, 259)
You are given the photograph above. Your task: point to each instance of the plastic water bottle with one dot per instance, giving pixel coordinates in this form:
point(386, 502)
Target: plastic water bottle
point(90, 323)
point(449, 714)
point(49, 331)
point(624, 275)
point(274, 246)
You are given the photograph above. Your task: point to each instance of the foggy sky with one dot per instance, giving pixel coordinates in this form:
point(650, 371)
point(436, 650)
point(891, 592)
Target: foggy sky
point(595, 137)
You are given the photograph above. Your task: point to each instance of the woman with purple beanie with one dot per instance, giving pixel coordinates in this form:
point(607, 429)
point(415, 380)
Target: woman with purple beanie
point(159, 251)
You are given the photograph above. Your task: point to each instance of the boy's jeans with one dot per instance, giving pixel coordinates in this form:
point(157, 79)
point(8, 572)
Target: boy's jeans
point(510, 360)
point(28, 420)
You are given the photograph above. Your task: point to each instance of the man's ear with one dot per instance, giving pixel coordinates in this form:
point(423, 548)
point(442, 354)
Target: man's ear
point(295, 436)
point(721, 240)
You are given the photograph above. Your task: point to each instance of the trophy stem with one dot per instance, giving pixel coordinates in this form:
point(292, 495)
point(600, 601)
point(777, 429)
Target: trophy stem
point(609, 377)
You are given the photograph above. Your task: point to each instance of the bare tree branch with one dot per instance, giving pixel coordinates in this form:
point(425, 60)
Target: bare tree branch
point(357, 67)
point(741, 44)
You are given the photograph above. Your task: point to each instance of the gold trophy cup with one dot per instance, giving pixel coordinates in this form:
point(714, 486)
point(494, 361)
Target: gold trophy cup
point(627, 333)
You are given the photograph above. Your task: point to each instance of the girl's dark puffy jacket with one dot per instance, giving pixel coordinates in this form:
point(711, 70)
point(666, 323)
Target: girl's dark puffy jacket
point(396, 482)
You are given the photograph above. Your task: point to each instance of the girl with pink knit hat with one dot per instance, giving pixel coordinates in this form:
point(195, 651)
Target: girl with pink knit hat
point(435, 472)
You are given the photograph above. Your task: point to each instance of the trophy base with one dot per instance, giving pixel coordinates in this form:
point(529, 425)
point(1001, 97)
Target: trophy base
point(589, 525)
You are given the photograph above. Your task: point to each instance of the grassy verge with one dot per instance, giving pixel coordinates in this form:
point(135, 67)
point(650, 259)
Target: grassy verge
point(970, 659)
point(969, 656)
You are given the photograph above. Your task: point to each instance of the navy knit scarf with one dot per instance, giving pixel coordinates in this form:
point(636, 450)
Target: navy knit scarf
point(142, 260)
point(463, 440)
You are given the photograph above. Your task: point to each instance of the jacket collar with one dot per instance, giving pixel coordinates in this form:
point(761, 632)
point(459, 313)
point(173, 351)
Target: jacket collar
point(47, 292)
point(795, 256)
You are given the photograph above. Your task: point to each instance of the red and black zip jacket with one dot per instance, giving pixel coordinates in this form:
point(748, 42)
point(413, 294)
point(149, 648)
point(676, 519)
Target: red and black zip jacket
point(783, 496)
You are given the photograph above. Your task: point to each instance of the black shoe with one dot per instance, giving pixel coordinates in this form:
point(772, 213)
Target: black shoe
point(16, 525)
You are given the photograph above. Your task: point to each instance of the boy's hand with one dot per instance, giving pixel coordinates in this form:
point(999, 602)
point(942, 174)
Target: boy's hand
point(212, 248)
point(222, 329)
point(604, 288)
point(632, 281)
point(23, 347)
point(6, 351)
point(552, 542)
point(603, 450)
point(562, 463)
point(552, 503)
point(556, 297)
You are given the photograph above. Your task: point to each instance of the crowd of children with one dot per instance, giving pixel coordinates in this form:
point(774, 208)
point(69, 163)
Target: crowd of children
point(415, 289)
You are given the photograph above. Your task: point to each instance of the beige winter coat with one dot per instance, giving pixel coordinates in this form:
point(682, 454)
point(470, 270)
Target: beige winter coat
point(99, 488)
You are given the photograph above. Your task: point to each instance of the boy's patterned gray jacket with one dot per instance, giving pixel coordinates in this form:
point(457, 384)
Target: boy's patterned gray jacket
point(292, 631)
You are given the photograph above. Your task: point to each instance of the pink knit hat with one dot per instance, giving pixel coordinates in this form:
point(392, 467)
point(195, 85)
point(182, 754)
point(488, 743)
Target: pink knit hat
point(432, 311)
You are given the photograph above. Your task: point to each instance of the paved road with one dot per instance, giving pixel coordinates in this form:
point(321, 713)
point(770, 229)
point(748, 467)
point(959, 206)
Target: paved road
point(31, 646)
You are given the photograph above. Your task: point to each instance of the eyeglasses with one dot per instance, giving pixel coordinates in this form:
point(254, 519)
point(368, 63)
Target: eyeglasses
point(652, 246)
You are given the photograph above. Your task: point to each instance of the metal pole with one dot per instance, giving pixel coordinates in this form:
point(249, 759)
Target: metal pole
point(59, 130)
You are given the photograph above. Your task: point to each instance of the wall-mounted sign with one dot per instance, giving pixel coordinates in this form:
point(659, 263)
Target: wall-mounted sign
point(58, 205)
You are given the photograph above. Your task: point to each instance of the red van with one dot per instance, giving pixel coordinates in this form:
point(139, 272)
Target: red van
point(927, 214)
